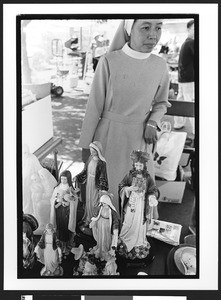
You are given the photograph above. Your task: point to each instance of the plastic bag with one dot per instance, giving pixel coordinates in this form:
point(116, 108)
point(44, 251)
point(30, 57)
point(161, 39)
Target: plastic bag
point(168, 151)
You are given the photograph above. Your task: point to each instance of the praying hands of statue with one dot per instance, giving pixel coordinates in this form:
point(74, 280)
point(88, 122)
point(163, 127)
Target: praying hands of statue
point(92, 223)
point(150, 132)
point(112, 251)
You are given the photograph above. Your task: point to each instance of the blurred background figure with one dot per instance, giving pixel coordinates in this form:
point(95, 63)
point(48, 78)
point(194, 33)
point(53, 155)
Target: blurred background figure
point(98, 48)
point(186, 75)
point(164, 51)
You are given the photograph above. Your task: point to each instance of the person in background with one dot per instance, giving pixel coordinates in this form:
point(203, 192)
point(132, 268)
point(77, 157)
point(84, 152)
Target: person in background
point(164, 51)
point(186, 75)
point(127, 83)
point(98, 49)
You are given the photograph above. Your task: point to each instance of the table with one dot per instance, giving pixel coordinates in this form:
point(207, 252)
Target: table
point(50, 146)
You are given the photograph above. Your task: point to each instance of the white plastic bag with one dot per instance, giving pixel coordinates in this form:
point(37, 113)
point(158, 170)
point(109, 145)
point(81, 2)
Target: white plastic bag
point(168, 151)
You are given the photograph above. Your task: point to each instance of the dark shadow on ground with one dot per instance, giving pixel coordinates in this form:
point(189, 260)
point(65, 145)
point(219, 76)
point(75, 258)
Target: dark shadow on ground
point(68, 114)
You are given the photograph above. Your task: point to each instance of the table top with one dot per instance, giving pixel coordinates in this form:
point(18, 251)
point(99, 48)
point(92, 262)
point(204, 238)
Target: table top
point(48, 147)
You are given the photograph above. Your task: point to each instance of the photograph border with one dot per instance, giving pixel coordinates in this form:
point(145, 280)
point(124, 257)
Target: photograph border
point(128, 281)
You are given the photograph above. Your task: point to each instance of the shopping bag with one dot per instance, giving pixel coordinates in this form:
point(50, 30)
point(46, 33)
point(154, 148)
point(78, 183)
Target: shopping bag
point(167, 152)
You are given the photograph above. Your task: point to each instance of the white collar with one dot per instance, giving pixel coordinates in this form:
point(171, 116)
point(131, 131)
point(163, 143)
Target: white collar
point(135, 54)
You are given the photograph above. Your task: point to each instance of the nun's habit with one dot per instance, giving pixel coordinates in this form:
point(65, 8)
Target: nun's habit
point(125, 84)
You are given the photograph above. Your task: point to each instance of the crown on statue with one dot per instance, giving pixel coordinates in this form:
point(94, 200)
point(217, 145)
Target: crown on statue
point(138, 155)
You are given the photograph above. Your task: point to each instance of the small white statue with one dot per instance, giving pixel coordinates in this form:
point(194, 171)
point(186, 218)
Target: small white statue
point(105, 227)
point(49, 253)
point(111, 267)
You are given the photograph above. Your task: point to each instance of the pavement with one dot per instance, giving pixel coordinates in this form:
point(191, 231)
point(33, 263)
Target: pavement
point(68, 113)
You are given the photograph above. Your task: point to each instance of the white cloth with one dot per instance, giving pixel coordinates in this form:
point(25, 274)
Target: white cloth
point(186, 93)
point(128, 24)
point(134, 54)
point(133, 232)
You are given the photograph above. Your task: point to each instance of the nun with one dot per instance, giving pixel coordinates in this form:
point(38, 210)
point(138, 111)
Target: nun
point(128, 98)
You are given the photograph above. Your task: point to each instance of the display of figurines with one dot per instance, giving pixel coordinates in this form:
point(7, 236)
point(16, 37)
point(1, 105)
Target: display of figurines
point(94, 175)
point(105, 228)
point(30, 224)
point(88, 264)
point(48, 252)
point(138, 194)
point(63, 215)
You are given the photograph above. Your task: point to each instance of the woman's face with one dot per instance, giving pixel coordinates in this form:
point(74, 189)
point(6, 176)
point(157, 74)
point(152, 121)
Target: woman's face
point(145, 34)
point(64, 180)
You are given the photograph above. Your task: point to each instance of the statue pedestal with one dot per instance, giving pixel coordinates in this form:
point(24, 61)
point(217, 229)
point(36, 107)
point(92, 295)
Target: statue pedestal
point(135, 263)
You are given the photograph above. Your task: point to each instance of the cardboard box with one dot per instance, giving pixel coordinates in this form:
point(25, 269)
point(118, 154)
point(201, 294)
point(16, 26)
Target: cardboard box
point(37, 124)
point(171, 191)
point(40, 90)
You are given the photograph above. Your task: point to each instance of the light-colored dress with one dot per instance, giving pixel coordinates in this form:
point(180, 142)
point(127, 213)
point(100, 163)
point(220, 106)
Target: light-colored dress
point(102, 233)
point(92, 197)
point(47, 256)
point(133, 232)
point(122, 92)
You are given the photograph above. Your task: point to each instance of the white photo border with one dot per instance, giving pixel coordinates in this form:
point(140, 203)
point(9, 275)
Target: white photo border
point(208, 111)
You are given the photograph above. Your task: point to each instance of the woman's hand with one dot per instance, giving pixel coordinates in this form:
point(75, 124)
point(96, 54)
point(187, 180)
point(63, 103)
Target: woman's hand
point(150, 132)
